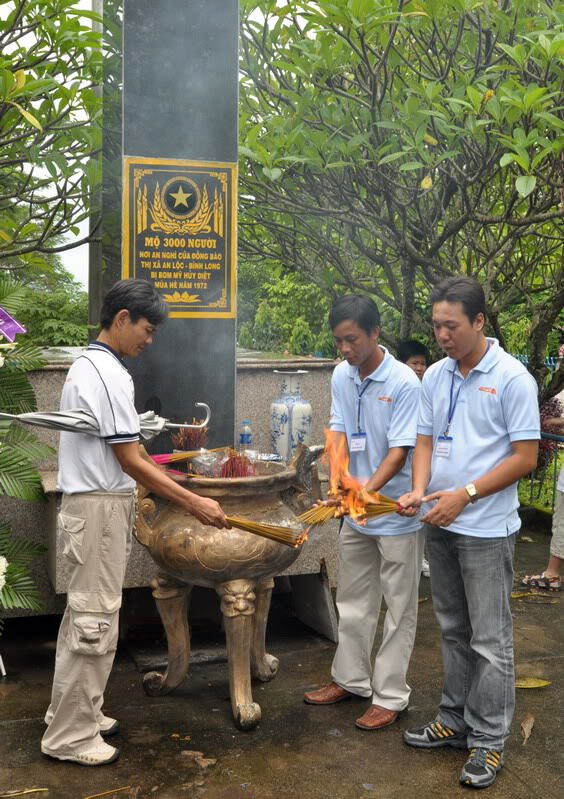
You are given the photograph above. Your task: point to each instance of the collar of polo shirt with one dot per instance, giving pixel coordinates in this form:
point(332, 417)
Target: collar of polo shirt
point(380, 374)
point(488, 361)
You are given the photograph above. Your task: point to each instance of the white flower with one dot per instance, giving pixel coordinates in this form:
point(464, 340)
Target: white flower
point(3, 568)
point(1, 360)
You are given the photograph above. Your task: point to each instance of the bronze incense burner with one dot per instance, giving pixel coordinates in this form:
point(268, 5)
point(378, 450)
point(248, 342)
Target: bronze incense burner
point(240, 566)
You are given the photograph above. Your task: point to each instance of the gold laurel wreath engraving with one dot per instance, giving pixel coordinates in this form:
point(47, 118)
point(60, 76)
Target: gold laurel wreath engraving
point(199, 223)
point(184, 297)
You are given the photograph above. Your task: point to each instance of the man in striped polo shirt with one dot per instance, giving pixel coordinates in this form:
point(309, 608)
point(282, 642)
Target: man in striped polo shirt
point(97, 477)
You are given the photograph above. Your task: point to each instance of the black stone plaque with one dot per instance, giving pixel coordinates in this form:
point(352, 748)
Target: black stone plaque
point(179, 232)
point(179, 123)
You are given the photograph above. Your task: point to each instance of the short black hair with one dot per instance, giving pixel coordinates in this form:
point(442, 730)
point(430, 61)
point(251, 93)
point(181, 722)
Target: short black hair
point(410, 347)
point(139, 297)
point(465, 290)
point(355, 308)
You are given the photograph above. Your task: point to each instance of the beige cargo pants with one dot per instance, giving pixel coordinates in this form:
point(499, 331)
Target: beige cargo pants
point(95, 536)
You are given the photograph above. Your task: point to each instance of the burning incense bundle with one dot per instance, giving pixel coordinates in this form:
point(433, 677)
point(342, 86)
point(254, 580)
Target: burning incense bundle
point(284, 535)
point(320, 514)
point(353, 499)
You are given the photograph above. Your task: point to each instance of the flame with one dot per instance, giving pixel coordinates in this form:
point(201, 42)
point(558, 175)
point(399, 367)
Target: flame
point(350, 491)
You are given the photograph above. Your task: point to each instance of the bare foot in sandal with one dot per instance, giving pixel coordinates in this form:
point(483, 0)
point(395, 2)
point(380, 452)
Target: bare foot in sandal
point(543, 581)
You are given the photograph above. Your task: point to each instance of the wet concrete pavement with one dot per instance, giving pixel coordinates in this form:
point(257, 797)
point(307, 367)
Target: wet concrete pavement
point(297, 750)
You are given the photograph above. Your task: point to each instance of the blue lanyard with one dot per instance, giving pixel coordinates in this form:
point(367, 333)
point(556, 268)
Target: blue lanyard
point(451, 404)
point(360, 393)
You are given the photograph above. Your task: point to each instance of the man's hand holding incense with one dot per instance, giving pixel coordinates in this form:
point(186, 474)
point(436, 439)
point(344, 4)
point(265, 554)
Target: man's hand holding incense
point(146, 472)
point(410, 503)
point(332, 501)
point(208, 511)
point(448, 506)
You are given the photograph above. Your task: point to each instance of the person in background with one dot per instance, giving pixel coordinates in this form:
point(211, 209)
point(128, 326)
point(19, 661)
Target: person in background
point(416, 355)
point(374, 401)
point(550, 578)
point(98, 477)
point(478, 433)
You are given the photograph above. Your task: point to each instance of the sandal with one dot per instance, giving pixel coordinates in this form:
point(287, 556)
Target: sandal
point(542, 581)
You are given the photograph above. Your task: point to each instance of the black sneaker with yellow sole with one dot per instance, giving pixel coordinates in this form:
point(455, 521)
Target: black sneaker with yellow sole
point(434, 735)
point(481, 768)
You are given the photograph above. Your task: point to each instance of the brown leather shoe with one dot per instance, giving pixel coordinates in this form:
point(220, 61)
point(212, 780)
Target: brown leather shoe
point(376, 717)
point(327, 695)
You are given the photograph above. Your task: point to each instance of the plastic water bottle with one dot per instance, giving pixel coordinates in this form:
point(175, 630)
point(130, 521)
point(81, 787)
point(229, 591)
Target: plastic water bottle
point(245, 436)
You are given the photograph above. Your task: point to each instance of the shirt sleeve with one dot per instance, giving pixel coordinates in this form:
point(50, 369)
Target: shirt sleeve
point(337, 418)
point(520, 406)
point(402, 431)
point(112, 405)
point(425, 413)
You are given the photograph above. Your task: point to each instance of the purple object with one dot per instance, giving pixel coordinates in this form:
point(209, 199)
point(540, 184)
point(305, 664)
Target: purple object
point(9, 326)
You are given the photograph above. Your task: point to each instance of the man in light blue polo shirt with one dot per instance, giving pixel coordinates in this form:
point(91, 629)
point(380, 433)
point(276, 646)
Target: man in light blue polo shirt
point(374, 408)
point(477, 435)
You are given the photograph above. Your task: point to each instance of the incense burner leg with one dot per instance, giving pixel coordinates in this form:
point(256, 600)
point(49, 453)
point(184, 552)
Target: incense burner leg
point(263, 666)
point(238, 607)
point(172, 600)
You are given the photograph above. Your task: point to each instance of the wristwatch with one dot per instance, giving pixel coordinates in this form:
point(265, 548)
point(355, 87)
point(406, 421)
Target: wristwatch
point(472, 492)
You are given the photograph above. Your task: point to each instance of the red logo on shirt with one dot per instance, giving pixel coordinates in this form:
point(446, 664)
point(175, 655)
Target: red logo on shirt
point(385, 399)
point(488, 389)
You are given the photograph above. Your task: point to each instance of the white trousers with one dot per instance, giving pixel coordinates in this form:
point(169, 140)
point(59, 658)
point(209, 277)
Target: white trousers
point(372, 567)
point(95, 534)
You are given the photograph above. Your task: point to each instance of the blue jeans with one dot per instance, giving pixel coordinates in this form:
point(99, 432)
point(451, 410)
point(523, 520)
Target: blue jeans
point(471, 581)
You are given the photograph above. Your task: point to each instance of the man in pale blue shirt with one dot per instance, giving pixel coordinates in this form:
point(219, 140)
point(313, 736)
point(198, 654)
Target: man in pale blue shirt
point(374, 408)
point(478, 434)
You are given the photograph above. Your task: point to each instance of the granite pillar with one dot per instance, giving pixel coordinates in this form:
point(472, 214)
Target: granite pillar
point(178, 113)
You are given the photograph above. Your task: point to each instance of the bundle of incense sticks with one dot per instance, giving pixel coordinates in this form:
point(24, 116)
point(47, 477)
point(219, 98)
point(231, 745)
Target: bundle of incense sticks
point(190, 438)
point(320, 514)
point(284, 535)
point(236, 465)
point(173, 457)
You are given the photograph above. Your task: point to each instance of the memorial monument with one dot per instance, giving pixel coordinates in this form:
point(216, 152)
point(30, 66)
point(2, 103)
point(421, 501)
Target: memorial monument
point(170, 196)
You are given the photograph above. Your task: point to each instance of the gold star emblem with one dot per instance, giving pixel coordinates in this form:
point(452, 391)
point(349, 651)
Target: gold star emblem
point(180, 197)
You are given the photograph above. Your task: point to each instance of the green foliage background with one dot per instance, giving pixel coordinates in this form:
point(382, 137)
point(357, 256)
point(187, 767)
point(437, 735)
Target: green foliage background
point(19, 450)
point(386, 145)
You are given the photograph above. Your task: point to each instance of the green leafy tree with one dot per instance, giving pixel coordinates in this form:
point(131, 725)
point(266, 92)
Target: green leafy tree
point(387, 145)
point(58, 318)
point(267, 333)
point(245, 336)
point(325, 345)
point(301, 339)
point(290, 297)
point(50, 126)
point(285, 297)
point(56, 310)
point(19, 450)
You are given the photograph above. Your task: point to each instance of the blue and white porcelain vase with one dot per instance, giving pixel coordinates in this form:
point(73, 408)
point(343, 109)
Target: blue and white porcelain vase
point(290, 415)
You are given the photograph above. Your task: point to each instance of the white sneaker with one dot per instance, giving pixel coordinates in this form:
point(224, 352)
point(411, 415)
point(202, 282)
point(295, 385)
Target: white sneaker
point(108, 726)
point(425, 570)
point(99, 755)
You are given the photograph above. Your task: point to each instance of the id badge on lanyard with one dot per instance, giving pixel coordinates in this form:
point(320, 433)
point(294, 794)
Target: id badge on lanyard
point(358, 439)
point(443, 446)
point(358, 442)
